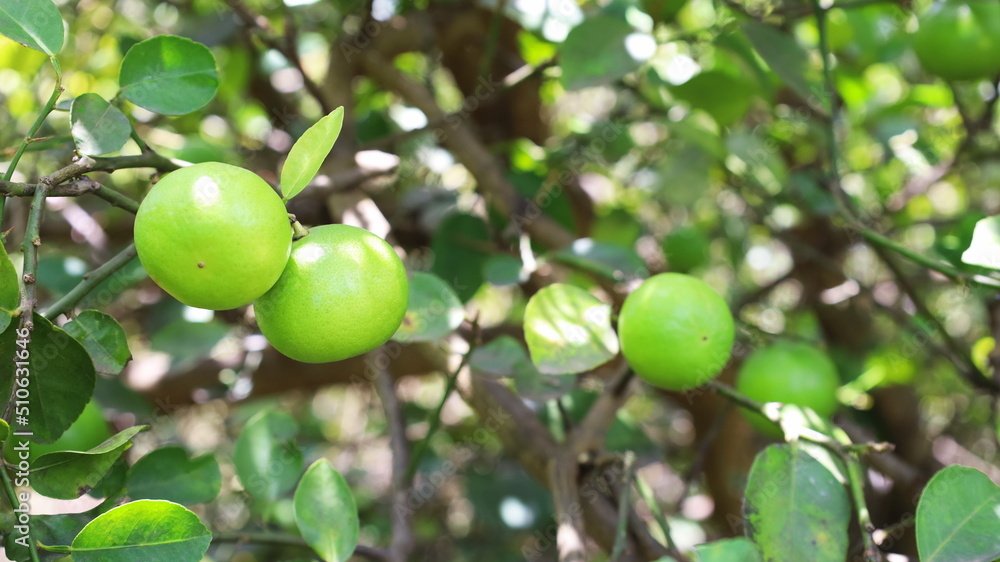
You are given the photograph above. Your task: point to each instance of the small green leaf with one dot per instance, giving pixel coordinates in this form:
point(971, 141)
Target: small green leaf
point(795, 509)
point(309, 152)
point(168, 474)
point(461, 247)
point(568, 330)
point(601, 50)
point(326, 513)
point(267, 460)
point(70, 474)
point(104, 339)
point(984, 250)
point(147, 530)
point(434, 310)
point(9, 287)
point(958, 517)
point(169, 75)
point(61, 376)
point(98, 126)
point(32, 23)
point(739, 549)
point(788, 60)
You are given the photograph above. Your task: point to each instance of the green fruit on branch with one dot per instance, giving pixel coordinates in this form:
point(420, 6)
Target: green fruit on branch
point(790, 373)
point(675, 331)
point(343, 292)
point(959, 39)
point(213, 235)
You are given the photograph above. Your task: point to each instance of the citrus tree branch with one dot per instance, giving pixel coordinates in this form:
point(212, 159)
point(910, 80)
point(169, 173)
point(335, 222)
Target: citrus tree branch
point(42, 115)
point(90, 281)
point(460, 140)
point(402, 541)
point(73, 188)
point(276, 539)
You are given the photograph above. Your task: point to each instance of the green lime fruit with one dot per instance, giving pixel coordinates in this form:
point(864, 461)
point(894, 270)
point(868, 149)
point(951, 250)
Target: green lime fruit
point(790, 373)
point(88, 431)
point(959, 40)
point(213, 235)
point(675, 331)
point(686, 248)
point(343, 293)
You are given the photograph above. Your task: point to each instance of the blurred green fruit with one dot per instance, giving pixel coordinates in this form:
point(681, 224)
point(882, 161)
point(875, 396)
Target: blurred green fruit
point(675, 331)
point(959, 40)
point(343, 293)
point(213, 235)
point(790, 373)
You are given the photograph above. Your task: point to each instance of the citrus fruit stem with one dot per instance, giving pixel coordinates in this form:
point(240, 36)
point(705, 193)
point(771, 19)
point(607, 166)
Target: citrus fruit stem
point(298, 231)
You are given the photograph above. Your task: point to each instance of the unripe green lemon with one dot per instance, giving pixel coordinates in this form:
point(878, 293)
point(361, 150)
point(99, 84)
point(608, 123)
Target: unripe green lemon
point(675, 331)
point(88, 431)
point(343, 293)
point(959, 39)
point(790, 373)
point(213, 235)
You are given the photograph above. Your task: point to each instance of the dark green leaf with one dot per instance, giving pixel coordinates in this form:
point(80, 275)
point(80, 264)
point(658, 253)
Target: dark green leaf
point(98, 126)
point(788, 60)
point(61, 378)
point(188, 342)
point(503, 270)
point(325, 512)
point(568, 330)
point(70, 474)
point(169, 75)
point(168, 474)
point(601, 50)
point(104, 339)
point(461, 247)
point(147, 530)
point(984, 250)
point(958, 517)
point(267, 460)
point(309, 152)
point(433, 312)
point(795, 509)
point(32, 23)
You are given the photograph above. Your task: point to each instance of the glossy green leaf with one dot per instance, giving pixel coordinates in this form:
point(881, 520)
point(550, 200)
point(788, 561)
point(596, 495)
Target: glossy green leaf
point(103, 338)
point(32, 23)
point(611, 261)
point(98, 126)
point(788, 60)
point(267, 460)
point(325, 512)
point(601, 50)
point(309, 152)
point(433, 312)
point(169, 75)
point(568, 330)
point(958, 517)
point(795, 509)
point(70, 474)
point(984, 250)
point(461, 247)
point(739, 549)
point(168, 474)
point(147, 530)
point(61, 377)
point(9, 286)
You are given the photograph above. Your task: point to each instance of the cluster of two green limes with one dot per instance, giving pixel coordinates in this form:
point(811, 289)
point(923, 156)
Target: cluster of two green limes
point(218, 237)
point(677, 333)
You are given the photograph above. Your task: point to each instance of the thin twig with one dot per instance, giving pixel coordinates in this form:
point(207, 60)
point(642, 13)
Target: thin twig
point(624, 507)
point(8, 488)
point(74, 188)
point(90, 282)
point(856, 479)
point(401, 544)
point(646, 493)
